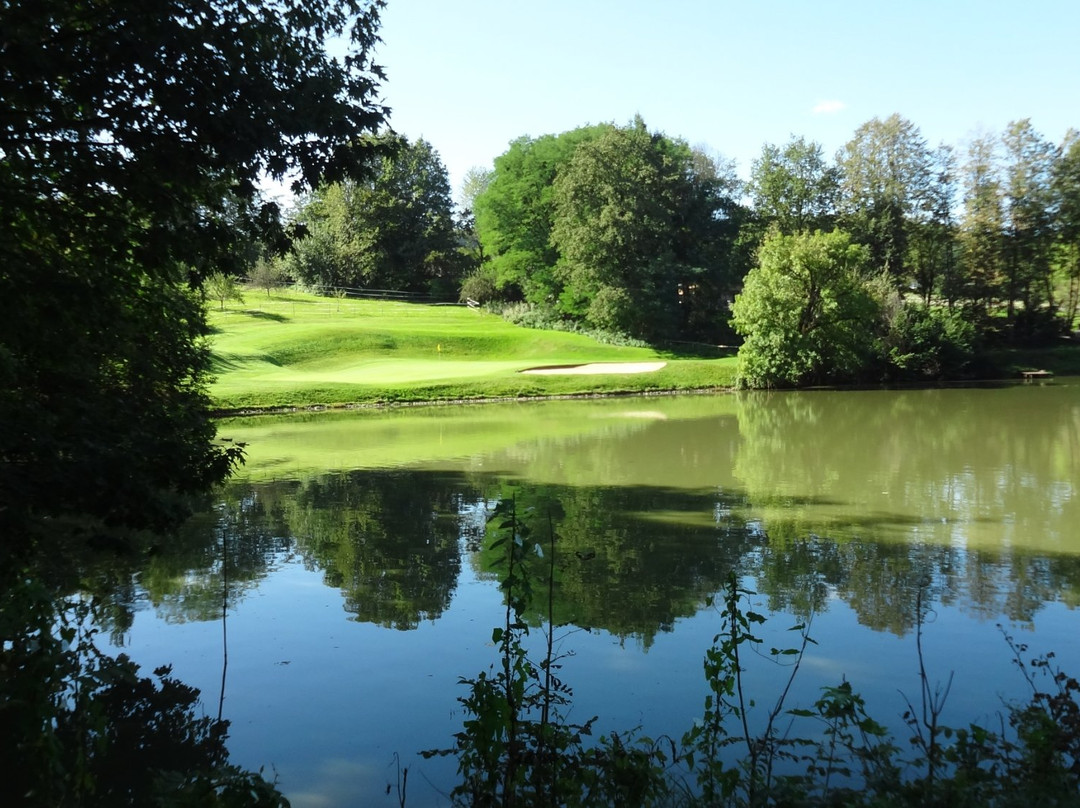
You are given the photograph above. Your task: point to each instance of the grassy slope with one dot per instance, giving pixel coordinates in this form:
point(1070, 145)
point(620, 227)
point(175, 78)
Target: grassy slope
point(298, 350)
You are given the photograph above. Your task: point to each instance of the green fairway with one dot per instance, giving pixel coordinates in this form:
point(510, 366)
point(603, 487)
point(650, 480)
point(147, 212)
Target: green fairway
point(295, 350)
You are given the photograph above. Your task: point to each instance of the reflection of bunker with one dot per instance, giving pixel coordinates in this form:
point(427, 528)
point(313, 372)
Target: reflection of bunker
point(596, 368)
point(651, 415)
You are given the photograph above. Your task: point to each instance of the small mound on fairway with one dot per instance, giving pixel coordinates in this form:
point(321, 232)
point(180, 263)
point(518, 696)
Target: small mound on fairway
point(597, 367)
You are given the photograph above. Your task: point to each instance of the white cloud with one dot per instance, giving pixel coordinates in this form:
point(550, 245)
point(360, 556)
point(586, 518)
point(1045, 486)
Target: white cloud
point(828, 107)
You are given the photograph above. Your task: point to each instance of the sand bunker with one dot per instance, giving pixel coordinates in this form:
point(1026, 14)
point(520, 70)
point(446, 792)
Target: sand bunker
point(597, 367)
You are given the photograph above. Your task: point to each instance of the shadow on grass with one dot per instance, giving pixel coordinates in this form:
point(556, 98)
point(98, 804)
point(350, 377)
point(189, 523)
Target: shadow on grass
point(219, 363)
point(695, 350)
point(265, 315)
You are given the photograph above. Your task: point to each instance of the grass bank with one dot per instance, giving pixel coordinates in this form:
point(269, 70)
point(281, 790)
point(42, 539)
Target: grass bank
point(298, 350)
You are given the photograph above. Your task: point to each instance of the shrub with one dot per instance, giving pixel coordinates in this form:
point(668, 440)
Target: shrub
point(928, 345)
point(479, 286)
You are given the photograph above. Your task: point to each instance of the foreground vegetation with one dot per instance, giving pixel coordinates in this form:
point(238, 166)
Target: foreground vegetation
point(519, 745)
point(131, 145)
point(296, 349)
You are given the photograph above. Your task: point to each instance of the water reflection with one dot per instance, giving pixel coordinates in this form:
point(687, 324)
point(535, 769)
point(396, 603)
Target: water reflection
point(221, 554)
point(630, 561)
point(388, 540)
point(845, 506)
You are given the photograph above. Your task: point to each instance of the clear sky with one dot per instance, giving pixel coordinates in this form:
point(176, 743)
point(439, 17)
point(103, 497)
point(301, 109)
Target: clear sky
point(469, 76)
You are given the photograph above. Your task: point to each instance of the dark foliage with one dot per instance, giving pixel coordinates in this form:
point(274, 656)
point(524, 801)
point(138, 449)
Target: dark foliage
point(131, 141)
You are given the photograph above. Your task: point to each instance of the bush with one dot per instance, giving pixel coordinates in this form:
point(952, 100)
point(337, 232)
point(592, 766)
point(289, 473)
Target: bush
point(518, 746)
point(805, 312)
point(479, 286)
point(928, 345)
point(529, 315)
point(612, 309)
point(1034, 327)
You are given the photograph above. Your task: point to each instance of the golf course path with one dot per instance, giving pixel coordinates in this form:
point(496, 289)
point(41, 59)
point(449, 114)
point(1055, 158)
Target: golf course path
point(597, 367)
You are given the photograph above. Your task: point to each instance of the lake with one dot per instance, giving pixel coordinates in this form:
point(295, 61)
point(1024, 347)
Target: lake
point(360, 583)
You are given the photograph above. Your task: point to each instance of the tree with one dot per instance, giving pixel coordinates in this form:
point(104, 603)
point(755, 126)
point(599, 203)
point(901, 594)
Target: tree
point(515, 211)
point(393, 230)
point(932, 239)
point(883, 168)
point(480, 282)
point(1029, 235)
point(638, 217)
point(981, 230)
point(805, 311)
point(267, 273)
point(476, 181)
point(131, 142)
point(615, 208)
point(1067, 193)
point(794, 187)
point(222, 287)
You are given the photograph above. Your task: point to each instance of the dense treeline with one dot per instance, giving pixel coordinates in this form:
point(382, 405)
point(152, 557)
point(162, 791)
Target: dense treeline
point(615, 227)
point(622, 229)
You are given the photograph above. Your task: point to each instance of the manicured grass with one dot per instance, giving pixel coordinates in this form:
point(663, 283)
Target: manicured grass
point(297, 350)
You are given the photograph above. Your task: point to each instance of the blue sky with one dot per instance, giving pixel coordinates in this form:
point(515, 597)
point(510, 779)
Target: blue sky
point(472, 75)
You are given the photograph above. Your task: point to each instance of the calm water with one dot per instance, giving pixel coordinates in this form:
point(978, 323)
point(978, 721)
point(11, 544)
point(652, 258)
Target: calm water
point(354, 553)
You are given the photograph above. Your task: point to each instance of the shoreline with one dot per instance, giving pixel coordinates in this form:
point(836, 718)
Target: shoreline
point(251, 412)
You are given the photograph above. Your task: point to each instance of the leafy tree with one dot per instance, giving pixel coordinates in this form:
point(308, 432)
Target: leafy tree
point(393, 230)
point(884, 168)
point(794, 187)
point(615, 208)
point(480, 283)
point(476, 181)
point(267, 273)
point(131, 141)
point(636, 224)
point(515, 212)
point(804, 311)
point(932, 240)
point(222, 287)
